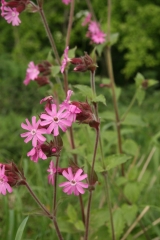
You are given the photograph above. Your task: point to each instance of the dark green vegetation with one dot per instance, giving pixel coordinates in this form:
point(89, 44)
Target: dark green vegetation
point(137, 49)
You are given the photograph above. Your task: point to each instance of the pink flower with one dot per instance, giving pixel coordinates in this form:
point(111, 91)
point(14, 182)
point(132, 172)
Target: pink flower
point(36, 153)
point(66, 1)
point(32, 71)
point(55, 120)
point(52, 170)
point(10, 15)
point(33, 133)
point(27, 80)
point(72, 112)
point(65, 59)
point(74, 185)
point(4, 186)
point(87, 19)
point(65, 103)
point(98, 37)
point(93, 27)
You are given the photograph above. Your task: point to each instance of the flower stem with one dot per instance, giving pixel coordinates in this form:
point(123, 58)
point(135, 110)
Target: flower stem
point(91, 183)
point(55, 188)
point(45, 211)
point(91, 10)
point(48, 32)
point(70, 23)
point(111, 76)
point(129, 107)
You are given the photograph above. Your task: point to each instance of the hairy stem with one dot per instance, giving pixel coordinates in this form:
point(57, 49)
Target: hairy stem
point(48, 32)
point(111, 76)
point(71, 14)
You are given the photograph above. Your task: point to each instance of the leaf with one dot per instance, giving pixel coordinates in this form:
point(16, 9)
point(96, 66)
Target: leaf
point(71, 52)
point(152, 82)
point(129, 213)
point(99, 98)
point(134, 119)
point(139, 78)
point(79, 225)
point(21, 229)
point(55, 70)
point(85, 90)
point(118, 222)
point(140, 95)
point(72, 214)
point(114, 38)
point(130, 147)
point(115, 160)
point(132, 192)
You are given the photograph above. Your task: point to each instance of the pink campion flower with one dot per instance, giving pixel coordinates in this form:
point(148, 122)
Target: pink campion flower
point(66, 102)
point(66, 1)
point(98, 37)
point(27, 80)
point(36, 153)
point(93, 27)
point(87, 19)
point(10, 15)
point(4, 186)
point(34, 132)
point(55, 120)
point(52, 170)
point(74, 184)
point(32, 71)
point(72, 112)
point(65, 59)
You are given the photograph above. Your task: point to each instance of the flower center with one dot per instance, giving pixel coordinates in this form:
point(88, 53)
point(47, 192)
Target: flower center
point(73, 182)
point(13, 14)
point(33, 131)
point(55, 119)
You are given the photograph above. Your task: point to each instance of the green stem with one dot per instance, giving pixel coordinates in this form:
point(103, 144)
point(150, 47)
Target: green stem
point(111, 76)
point(129, 107)
point(91, 10)
point(48, 32)
point(91, 180)
point(70, 23)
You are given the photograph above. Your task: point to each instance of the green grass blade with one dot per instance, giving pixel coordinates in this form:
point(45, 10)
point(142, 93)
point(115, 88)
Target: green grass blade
point(21, 229)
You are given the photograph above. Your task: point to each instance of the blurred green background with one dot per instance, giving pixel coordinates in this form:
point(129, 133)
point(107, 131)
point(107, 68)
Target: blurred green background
point(137, 50)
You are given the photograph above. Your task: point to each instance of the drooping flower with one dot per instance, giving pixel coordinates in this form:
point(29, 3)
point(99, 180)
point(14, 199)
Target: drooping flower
point(74, 184)
point(55, 120)
point(36, 153)
point(10, 15)
point(65, 59)
point(4, 186)
point(34, 132)
point(52, 170)
point(66, 1)
point(65, 103)
point(72, 112)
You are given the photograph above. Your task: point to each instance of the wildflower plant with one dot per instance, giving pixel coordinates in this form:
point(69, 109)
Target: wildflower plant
point(62, 117)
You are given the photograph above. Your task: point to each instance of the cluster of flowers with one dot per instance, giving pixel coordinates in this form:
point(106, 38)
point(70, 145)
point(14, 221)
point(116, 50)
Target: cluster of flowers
point(10, 10)
point(94, 31)
point(39, 73)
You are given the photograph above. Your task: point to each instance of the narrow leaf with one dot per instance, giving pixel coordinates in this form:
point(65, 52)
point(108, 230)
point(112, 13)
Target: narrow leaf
point(21, 229)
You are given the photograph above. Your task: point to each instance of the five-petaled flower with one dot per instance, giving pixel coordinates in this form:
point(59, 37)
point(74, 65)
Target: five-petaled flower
point(36, 153)
point(31, 73)
point(74, 184)
point(4, 186)
point(34, 132)
point(55, 120)
point(10, 15)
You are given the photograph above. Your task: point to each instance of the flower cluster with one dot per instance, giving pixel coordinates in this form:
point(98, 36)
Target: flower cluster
point(94, 31)
point(49, 123)
point(66, 2)
point(4, 185)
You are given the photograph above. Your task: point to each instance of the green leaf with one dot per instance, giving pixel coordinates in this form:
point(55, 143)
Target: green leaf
point(21, 229)
point(139, 78)
point(71, 213)
point(132, 192)
point(129, 213)
point(55, 70)
point(71, 52)
point(130, 147)
point(134, 120)
point(99, 98)
point(79, 225)
point(85, 90)
point(115, 160)
point(121, 181)
point(140, 95)
point(118, 222)
point(114, 38)
point(152, 82)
